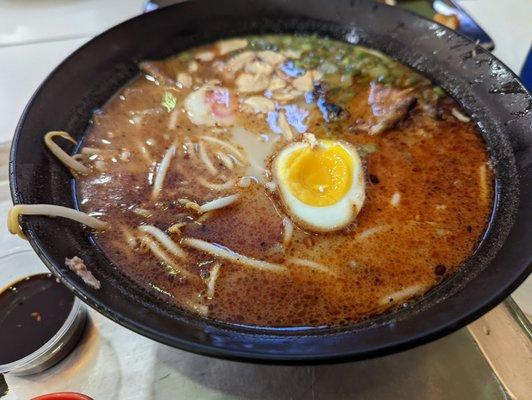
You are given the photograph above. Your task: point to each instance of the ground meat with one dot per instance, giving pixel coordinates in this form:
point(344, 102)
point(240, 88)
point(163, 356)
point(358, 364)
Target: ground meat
point(77, 266)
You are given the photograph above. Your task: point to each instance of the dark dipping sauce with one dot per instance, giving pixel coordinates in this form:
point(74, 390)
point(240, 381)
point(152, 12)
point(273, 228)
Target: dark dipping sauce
point(32, 311)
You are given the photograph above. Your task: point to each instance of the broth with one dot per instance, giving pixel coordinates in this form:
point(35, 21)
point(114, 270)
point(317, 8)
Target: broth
point(426, 186)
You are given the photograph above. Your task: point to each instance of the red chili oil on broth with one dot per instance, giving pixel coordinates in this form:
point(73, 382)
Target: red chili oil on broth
point(428, 186)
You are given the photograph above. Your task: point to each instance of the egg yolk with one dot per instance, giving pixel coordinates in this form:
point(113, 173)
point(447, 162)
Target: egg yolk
point(321, 176)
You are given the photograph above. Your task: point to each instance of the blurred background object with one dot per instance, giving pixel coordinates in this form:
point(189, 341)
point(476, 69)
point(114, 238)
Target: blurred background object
point(526, 72)
point(450, 14)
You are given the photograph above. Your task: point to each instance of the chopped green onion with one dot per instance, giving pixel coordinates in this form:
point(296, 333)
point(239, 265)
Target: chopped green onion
point(169, 101)
point(185, 56)
point(439, 91)
point(379, 72)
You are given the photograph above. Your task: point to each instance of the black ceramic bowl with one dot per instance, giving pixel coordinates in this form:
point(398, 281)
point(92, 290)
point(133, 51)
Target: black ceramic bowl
point(487, 90)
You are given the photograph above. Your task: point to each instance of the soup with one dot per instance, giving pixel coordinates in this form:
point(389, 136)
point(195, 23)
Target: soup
point(284, 181)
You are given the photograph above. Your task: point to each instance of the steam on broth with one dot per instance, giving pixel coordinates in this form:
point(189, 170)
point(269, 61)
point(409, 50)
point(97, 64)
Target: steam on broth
point(284, 181)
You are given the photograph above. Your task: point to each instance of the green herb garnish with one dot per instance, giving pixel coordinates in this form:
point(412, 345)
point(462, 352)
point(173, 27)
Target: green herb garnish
point(169, 101)
point(439, 91)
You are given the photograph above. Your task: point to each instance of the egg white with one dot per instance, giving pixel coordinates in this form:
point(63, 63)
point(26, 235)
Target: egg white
point(322, 218)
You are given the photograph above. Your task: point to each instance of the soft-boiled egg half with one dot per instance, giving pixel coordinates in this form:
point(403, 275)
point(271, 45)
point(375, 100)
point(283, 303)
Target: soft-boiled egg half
point(321, 183)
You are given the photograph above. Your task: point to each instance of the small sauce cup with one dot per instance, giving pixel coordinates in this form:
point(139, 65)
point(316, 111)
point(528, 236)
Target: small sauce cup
point(15, 266)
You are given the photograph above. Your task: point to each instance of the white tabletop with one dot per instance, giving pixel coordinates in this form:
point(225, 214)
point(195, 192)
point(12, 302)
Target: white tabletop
point(36, 35)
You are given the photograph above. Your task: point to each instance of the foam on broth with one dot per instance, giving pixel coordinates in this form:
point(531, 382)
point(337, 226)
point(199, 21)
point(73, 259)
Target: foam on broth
point(428, 187)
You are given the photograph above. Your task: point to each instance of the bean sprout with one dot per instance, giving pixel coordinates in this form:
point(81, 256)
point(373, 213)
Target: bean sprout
point(288, 231)
point(216, 186)
point(227, 254)
point(57, 151)
point(303, 262)
point(164, 239)
point(216, 204)
point(226, 160)
point(227, 146)
point(49, 210)
point(213, 276)
point(483, 183)
point(370, 232)
point(206, 159)
point(172, 121)
point(403, 294)
point(161, 255)
point(459, 116)
point(162, 170)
